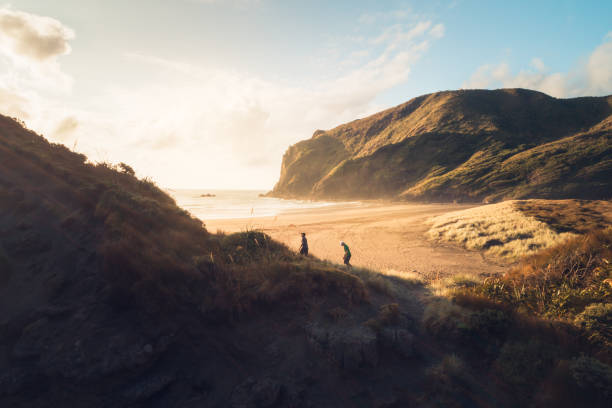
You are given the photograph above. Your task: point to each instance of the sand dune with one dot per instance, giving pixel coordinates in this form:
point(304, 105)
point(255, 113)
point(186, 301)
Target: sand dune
point(385, 237)
point(500, 230)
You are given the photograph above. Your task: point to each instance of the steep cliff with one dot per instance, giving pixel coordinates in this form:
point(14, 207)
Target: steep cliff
point(469, 145)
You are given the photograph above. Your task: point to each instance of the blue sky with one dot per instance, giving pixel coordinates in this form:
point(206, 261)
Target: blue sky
point(210, 93)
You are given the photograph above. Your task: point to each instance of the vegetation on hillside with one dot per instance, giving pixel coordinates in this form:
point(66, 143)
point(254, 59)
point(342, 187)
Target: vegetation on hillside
point(469, 145)
point(153, 254)
point(543, 330)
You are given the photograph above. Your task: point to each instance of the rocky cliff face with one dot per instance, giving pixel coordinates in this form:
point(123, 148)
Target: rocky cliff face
point(472, 145)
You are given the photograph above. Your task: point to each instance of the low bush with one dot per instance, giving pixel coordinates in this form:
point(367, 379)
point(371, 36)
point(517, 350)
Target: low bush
point(523, 364)
point(388, 315)
point(449, 321)
point(593, 377)
point(447, 383)
point(596, 320)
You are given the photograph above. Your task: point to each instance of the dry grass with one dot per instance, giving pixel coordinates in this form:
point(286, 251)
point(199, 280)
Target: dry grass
point(386, 282)
point(447, 286)
point(500, 230)
point(579, 216)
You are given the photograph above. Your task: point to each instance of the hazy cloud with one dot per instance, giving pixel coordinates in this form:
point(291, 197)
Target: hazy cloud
point(593, 78)
point(437, 31)
point(66, 128)
point(31, 79)
point(222, 119)
point(371, 18)
point(32, 36)
point(599, 68)
point(12, 104)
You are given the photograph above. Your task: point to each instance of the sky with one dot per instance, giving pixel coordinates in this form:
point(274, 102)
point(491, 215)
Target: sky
point(211, 93)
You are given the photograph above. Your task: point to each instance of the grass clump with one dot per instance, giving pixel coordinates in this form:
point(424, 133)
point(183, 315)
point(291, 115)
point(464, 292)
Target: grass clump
point(448, 285)
point(596, 320)
point(499, 230)
point(577, 216)
point(559, 282)
point(447, 383)
point(388, 315)
point(523, 363)
point(593, 377)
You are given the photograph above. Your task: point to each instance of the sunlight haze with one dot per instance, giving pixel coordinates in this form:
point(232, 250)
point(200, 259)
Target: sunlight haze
point(210, 93)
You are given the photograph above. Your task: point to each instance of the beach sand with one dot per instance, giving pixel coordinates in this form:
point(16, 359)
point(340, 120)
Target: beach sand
point(383, 237)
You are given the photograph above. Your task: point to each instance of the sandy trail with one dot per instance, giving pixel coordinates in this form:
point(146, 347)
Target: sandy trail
point(381, 237)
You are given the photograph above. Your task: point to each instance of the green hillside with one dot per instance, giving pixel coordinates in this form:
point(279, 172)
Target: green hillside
point(468, 145)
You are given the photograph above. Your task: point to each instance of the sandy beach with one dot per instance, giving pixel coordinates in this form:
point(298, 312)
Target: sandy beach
point(384, 237)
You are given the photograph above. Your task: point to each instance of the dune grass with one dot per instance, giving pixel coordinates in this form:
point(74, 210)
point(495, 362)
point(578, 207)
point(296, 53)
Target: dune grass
point(577, 216)
point(543, 329)
point(499, 230)
point(445, 286)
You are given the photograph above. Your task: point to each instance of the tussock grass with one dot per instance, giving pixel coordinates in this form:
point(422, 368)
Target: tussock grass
point(500, 230)
point(578, 216)
point(386, 281)
point(446, 286)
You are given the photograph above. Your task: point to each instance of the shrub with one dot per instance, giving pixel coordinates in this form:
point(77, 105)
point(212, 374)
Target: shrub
point(596, 319)
point(593, 377)
point(447, 383)
point(444, 319)
point(388, 315)
point(524, 364)
point(126, 169)
point(557, 282)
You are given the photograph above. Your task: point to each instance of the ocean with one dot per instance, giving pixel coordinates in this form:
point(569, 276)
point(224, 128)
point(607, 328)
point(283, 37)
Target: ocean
point(219, 204)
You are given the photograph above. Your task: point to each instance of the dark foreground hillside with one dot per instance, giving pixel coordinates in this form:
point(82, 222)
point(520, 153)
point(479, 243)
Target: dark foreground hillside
point(468, 145)
point(112, 296)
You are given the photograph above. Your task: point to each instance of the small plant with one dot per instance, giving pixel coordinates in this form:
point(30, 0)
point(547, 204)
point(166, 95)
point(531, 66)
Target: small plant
point(593, 376)
point(524, 364)
point(124, 168)
point(447, 383)
point(596, 320)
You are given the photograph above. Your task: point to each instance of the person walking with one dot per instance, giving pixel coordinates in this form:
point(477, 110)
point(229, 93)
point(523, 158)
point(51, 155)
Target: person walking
point(304, 246)
point(347, 255)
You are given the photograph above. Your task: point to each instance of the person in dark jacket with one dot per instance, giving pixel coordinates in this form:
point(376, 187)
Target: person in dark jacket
point(304, 246)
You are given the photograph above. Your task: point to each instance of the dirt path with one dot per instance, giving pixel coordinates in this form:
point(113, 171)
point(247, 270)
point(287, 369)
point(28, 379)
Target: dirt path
point(381, 236)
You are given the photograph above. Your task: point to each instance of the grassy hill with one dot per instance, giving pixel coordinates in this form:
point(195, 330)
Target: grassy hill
point(112, 296)
point(468, 145)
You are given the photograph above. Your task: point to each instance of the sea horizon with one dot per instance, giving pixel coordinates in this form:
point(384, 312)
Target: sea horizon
point(209, 204)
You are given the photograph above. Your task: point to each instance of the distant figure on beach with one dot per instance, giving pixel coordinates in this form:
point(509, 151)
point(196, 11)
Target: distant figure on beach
point(304, 246)
point(347, 254)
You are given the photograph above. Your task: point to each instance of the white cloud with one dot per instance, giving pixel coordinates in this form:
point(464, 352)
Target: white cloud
point(34, 37)
point(599, 68)
point(437, 31)
point(538, 64)
point(593, 78)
